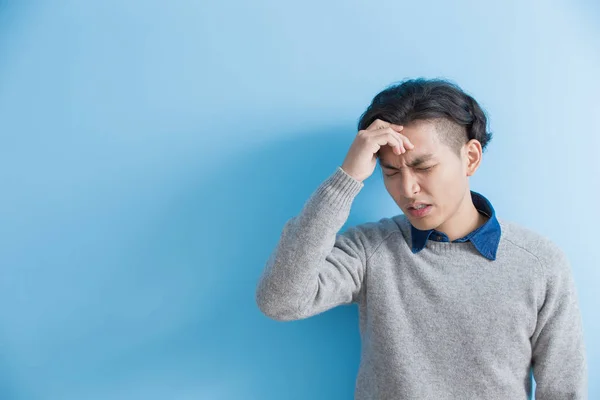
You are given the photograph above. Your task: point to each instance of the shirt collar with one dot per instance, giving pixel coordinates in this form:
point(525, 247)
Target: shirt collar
point(485, 238)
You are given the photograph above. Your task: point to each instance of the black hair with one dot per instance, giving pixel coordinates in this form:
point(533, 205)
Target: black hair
point(457, 116)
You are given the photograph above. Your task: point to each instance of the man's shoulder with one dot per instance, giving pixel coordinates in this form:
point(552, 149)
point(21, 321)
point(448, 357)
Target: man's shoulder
point(538, 244)
point(375, 232)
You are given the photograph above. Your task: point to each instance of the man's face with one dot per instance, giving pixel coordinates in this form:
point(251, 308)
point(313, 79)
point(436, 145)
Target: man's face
point(431, 173)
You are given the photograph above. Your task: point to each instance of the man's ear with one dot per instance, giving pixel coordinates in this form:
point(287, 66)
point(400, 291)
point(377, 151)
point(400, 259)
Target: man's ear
point(472, 156)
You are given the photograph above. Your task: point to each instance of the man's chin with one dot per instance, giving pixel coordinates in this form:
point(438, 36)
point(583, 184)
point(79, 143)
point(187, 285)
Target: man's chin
point(423, 224)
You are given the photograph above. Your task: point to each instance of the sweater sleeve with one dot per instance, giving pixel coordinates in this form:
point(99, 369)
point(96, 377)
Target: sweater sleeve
point(558, 350)
point(313, 267)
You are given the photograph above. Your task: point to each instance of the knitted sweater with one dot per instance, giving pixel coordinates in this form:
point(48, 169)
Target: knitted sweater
point(444, 323)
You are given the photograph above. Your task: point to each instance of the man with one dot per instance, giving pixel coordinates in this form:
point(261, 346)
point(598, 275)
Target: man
point(454, 302)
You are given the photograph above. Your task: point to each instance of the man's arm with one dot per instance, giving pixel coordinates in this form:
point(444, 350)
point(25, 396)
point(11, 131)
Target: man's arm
point(314, 268)
point(558, 358)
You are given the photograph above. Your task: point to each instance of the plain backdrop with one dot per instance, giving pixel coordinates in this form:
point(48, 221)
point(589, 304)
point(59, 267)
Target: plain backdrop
point(151, 152)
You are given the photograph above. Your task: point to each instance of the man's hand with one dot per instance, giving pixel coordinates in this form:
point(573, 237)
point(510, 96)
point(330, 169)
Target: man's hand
point(361, 159)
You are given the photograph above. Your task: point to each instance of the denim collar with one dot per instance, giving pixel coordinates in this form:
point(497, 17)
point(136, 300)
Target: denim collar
point(485, 238)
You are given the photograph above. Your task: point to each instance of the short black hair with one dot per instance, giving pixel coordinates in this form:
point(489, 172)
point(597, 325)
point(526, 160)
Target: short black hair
point(458, 118)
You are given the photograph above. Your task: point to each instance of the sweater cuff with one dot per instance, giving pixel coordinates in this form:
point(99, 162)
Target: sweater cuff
point(340, 188)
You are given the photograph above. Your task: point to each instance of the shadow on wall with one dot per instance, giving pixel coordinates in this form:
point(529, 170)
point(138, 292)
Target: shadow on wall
point(245, 206)
point(240, 213)
point(9, 387)
point(216, 239)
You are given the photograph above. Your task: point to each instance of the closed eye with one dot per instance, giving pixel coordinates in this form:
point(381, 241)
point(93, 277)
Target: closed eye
point(427, 169)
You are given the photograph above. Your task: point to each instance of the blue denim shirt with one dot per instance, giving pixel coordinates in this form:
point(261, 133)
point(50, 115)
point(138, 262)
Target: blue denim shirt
point(485, 238)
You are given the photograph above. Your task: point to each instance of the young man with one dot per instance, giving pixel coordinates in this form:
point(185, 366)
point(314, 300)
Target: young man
point(454, 302)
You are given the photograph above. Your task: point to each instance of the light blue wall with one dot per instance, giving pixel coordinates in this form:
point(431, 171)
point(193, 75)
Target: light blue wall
point(150, 153)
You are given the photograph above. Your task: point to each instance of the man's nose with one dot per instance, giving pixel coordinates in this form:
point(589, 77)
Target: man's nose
point(409, 185)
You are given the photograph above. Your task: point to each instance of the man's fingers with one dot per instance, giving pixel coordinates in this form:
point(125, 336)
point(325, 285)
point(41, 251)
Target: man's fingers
point(377, 124)
point(404, 141)
point(384, 127)
point(388, 138)
point(380, 124)
point(394, 140)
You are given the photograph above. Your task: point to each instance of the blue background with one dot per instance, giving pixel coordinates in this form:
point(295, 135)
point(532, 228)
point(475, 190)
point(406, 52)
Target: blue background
point(151, 152)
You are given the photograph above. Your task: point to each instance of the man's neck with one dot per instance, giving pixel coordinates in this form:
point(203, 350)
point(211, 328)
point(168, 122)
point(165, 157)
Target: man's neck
point(464, 221)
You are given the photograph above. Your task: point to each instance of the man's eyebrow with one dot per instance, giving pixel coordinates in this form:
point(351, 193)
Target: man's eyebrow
point(416, 162)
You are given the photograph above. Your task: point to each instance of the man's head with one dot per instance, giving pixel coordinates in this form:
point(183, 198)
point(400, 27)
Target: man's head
point(448, 130)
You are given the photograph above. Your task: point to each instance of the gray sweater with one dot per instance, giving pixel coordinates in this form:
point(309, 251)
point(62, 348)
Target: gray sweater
point(445, 323)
